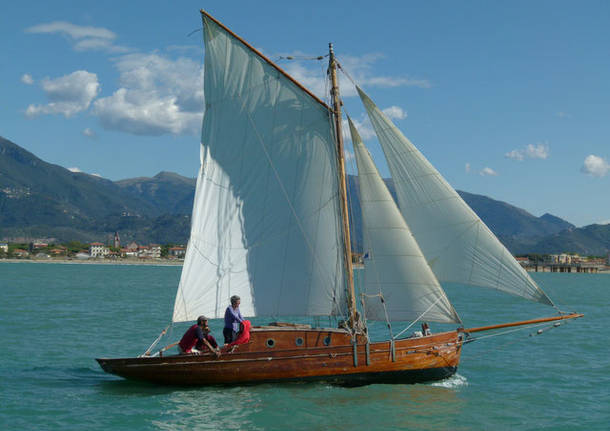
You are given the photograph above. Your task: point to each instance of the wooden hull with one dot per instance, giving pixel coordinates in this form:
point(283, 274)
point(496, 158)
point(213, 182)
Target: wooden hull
point(303, 355)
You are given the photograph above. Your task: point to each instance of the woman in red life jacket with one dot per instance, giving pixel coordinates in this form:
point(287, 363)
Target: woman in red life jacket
point(198, 338)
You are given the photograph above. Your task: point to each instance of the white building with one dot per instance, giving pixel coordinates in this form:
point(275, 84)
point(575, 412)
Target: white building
point(97, 249)
point(155, 251)
point(4, 247)
point(152, 251)
point(562, 258)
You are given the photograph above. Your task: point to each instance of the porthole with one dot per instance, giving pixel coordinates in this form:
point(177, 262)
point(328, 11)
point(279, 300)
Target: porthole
point(327, 341)
point(299, 341)
point(270, 342)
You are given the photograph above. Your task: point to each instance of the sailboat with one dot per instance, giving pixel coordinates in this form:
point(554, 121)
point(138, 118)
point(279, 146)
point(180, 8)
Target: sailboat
point(271, 225)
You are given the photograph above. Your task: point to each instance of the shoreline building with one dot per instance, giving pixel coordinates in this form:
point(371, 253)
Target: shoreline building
point(97, 249)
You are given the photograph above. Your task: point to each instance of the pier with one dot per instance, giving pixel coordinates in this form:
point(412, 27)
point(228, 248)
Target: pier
point(564, 267)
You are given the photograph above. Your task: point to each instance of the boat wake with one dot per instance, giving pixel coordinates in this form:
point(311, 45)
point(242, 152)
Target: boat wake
point(452, 382)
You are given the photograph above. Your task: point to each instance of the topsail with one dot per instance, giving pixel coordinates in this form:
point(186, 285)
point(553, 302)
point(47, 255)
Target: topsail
point(458, 246)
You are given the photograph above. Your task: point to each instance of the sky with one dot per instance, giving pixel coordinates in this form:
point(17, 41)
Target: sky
point(506, 99)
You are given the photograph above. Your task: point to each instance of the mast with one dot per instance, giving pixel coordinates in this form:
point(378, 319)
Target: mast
point(347, 245)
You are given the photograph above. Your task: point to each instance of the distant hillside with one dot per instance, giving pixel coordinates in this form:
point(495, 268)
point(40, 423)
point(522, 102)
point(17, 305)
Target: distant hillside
point(167, 192)
point(42, 200)
point(37, 192)
point(506, 220)
point(515, 227)
point(589, 240)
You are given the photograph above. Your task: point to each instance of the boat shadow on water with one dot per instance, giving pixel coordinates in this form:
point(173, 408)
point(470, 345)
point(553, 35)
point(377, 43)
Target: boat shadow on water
point(117, 386)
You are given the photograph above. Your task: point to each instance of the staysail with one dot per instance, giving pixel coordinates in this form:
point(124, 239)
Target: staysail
point(458, 246)
point(265, 220)
point(395, 266)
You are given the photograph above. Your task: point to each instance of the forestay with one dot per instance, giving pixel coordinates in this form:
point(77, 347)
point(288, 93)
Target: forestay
point(265, 220)
point(459, 247)
point(395, 266)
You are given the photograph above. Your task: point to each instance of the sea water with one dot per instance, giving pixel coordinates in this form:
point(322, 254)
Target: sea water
point(56, 318)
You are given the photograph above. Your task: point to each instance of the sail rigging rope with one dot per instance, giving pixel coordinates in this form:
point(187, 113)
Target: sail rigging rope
point(420, 316)
point(554, 325)
point(511, 342)
point(301, 57)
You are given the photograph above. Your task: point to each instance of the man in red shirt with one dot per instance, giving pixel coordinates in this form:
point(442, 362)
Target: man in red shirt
point(197, 338)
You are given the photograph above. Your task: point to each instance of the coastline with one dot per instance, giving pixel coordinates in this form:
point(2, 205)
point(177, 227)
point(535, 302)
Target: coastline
point(163, 262)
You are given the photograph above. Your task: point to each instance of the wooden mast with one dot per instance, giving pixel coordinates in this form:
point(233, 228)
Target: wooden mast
point(347, 250)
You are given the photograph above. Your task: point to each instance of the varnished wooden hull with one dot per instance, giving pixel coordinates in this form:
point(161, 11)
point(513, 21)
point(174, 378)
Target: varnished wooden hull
point(412, 360)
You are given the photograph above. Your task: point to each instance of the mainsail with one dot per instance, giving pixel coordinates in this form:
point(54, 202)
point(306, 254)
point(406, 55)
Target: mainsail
point(458, 246)
point(395, 267)
point(265, 222)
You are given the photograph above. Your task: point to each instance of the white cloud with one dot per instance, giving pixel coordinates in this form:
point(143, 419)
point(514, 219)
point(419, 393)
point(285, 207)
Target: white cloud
point(564, 115)
point(74, 169)
point(96, 175)
point(538, 151)
point(360, 69)
point(89, 133)
point(27, 79)
point(488, 172)
point(515, 155)
point(99, 45)
point(157, 96)
point(82, 37)
point(395, 112)
point(595, 166)
point(68, 94)
point(72, 30)
point(467, 168)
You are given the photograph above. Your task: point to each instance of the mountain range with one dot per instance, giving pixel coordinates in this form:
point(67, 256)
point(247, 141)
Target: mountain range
point(43, 200)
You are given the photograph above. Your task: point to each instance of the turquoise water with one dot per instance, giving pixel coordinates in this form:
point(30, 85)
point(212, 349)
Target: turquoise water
point(54, 319)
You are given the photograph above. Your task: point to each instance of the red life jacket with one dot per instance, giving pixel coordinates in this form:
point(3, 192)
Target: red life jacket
point(244, 335)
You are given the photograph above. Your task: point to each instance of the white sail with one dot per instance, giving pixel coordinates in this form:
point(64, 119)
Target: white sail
point(265, 221)
point(459, 247)
point(394, 267)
